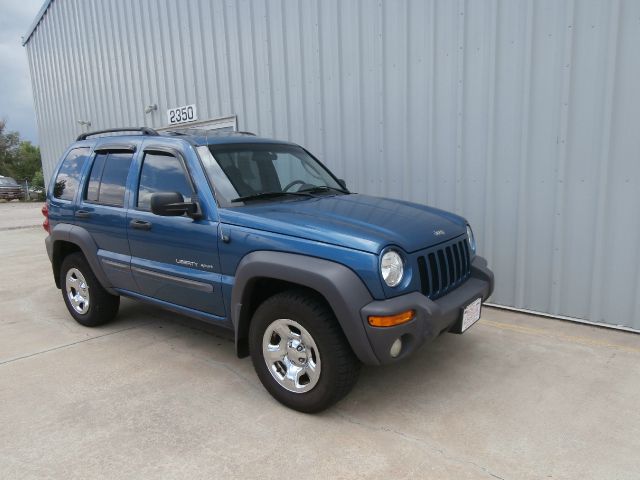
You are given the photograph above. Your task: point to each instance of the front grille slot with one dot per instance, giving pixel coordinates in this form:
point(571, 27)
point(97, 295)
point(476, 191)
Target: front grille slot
point(435, 276)
point(456, 256)
point(444, 268)
point(424, 279)
point(453, 277)
point(466, 255)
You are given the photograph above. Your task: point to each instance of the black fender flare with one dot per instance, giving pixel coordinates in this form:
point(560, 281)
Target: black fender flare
point(80, 237)
point(343, 290)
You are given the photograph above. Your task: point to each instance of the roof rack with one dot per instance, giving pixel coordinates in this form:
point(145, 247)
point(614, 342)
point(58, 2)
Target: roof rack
point(143, 130)
point(217, 132)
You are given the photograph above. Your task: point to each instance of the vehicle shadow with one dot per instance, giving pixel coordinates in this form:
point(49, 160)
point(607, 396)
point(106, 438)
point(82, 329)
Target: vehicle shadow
point(437, 371)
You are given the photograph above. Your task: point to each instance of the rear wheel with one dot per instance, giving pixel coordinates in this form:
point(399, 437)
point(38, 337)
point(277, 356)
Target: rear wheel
point(87, 301)
point(300, 353)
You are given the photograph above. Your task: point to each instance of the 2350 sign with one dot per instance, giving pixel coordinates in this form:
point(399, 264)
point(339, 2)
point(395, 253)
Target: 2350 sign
point(182, 114)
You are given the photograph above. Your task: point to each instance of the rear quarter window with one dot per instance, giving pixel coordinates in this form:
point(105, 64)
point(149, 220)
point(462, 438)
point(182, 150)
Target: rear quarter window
point(66, 183)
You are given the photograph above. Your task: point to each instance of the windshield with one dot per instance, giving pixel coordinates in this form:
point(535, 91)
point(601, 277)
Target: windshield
point(7, 181)
point(245, 172)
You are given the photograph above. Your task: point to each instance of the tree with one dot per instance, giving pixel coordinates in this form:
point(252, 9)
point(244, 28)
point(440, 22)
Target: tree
point(38, 179)
point(9, 142)
point(26, 161)
point(19, 159)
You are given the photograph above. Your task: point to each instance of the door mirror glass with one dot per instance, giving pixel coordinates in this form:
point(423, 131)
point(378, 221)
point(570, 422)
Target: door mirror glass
point(171, 204)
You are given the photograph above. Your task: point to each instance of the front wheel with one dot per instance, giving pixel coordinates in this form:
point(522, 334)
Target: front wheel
point(300, 353)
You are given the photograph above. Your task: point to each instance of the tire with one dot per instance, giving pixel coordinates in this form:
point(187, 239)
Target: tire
point(306, 343)
point(87, 301)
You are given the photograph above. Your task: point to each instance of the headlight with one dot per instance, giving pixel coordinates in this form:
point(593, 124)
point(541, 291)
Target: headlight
point(471, 238)
point(392, 268)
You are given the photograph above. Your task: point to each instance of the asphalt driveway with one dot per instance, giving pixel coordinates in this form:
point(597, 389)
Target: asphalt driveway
point(154, 395)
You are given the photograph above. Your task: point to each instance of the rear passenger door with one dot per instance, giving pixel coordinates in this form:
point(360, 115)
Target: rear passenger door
point(173, 259)
point(102, 211)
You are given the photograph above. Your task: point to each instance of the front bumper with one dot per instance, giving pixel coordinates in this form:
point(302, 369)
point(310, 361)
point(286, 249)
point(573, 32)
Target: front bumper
point(433, 317)
point(11, 195)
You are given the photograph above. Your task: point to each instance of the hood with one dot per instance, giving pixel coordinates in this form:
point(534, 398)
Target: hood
point(354, 221)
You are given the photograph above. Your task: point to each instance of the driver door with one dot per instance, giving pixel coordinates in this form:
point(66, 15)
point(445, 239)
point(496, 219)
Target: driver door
point(173, 259)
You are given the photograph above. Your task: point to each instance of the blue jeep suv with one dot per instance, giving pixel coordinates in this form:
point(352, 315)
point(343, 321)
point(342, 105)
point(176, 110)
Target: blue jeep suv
point(257, 236)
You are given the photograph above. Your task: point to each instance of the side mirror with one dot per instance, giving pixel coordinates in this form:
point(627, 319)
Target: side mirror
point(172, 204)
point(342, 183)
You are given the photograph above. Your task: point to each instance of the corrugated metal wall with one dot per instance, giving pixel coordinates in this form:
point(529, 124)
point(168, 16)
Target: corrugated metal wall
point(521, 115)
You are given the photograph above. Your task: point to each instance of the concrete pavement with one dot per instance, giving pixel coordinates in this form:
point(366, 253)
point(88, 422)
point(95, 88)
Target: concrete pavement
point(16, 214)
point(152, 396)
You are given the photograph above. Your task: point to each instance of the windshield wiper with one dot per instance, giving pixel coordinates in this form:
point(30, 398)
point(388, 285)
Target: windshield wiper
point(262, 195)
point(322, 188)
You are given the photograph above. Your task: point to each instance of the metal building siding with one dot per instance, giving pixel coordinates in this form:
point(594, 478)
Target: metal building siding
point(520, 115)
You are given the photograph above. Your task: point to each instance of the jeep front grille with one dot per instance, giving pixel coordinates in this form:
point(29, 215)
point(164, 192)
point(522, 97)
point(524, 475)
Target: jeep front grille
point(444, 268)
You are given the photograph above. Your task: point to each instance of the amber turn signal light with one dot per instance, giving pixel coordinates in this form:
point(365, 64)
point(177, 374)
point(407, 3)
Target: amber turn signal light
point(392, 320)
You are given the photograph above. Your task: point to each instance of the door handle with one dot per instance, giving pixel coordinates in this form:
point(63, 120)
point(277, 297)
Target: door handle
point(140, 224)
point(83, 214)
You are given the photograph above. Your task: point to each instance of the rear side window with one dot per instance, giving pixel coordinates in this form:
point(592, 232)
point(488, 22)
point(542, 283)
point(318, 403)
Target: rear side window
point(68, 178)
point(93, 189)
point(108, 178)
point(162, 173)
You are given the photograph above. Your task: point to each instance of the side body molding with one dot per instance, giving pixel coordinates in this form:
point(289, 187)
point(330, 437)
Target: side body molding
point(80, 237)
point(345, 293)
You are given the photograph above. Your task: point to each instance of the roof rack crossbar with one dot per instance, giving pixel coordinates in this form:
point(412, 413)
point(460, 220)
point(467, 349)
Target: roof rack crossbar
point(143, 130)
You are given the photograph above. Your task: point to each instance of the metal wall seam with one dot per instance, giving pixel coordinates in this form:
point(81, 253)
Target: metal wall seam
point(82, 62)
point(431, 177)
point(228, 97)
point(595, 303)
point(134, 105)
point(561, 151)
point(489, 151)
point(406, 167)
point(89, 63)
point(460, 98)
point(521, 237)
point(380, 103)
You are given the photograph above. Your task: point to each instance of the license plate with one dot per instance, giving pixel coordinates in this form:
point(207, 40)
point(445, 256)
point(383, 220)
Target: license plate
point(471, 313)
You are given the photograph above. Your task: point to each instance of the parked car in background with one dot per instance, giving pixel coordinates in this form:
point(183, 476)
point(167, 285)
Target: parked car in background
point(257, 236)
point(10, 189)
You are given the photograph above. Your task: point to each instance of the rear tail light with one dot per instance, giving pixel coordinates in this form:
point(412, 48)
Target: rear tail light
point(45, 212)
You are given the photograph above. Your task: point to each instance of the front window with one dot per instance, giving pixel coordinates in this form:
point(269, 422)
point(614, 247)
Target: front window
point(245, 172)
point(161, 172)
